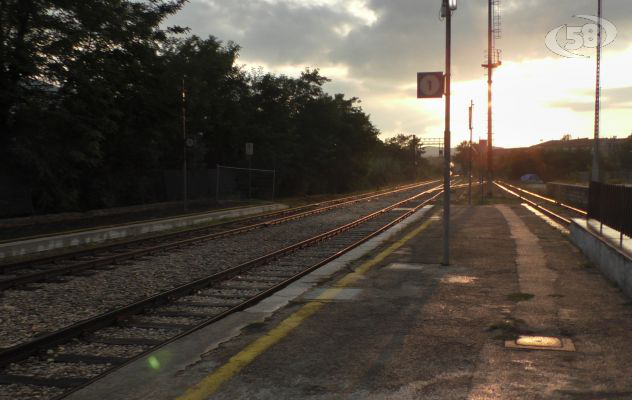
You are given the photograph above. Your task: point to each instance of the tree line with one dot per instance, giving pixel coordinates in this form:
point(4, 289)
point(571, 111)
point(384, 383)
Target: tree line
point(91, 102)
point(549, 164)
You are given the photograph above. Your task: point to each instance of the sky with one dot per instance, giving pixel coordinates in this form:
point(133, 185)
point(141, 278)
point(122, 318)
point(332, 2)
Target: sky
point(373, 49)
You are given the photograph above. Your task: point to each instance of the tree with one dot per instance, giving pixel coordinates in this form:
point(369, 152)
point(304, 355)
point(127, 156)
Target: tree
point(68, 70)
point(91, 110)
point(462, 156)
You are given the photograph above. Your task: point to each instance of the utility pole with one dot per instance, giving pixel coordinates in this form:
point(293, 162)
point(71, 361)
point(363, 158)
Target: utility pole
point(469, 189)
point(184, 147)
point(595, 157)
point(447, 7)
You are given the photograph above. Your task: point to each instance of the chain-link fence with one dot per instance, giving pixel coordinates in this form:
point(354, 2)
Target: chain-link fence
point(244, 184)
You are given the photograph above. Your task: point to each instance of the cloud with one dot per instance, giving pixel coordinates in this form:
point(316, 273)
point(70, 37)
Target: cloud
point(373, 48)
point(388, 40)
point(618, 97)
point(276, 32)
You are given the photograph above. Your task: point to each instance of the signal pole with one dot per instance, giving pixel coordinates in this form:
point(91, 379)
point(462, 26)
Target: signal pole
point(469, 188)
point(493, 61)
point(595, 158)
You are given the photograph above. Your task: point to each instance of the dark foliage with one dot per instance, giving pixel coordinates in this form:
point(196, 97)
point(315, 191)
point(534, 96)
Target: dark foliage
point(91, 106)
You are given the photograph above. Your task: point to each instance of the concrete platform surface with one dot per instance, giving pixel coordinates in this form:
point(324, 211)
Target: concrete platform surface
point(83, 237)
point(397, 325)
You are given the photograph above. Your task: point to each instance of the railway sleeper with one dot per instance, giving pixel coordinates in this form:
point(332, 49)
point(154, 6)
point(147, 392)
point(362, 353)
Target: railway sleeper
point(221, 294)
point(278, 274)
point(186, 314)
point(125, 341)
point(206, 305)
point(88, 359)
point(259, 278)
point(241, 285)
point(158, 325)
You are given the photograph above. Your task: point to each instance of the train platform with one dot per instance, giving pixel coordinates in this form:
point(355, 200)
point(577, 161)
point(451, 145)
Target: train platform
point(519, 314)
point(19, 247)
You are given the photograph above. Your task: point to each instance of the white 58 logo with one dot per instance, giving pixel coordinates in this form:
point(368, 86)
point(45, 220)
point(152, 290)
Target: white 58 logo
point(581, 36)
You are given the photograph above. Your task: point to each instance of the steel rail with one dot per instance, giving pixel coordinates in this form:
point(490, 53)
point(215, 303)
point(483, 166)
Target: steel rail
point(24, 350)
point(202, 213)
point(112, 259)
point(65, 256)
point(254, 299)
point(535, 205)
point(553, 201)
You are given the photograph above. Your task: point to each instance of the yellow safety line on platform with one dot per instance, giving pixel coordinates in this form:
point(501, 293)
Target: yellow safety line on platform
point(212, 382)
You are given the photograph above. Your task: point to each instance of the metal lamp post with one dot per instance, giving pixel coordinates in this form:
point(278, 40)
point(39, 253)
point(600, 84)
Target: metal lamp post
point(434, 85)
point(447, 7)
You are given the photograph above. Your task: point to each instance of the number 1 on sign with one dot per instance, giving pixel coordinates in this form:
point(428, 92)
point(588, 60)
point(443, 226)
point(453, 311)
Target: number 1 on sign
point(430, 85)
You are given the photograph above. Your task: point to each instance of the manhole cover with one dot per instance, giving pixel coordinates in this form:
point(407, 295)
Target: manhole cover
point(458, 279)
point(541, 343)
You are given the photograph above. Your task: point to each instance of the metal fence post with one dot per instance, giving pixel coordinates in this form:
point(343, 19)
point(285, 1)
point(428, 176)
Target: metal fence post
point(600, 203)
point(622, 217)
point(273, 183)
point(217, 185)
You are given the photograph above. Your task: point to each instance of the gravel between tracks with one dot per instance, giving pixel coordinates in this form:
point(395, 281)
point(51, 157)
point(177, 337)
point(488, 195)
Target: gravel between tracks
point(96, 349)
point(46, 368)
point(13, 392)
point(27, 313)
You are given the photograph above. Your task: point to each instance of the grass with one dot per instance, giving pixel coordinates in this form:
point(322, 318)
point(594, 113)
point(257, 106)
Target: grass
point(518, 297)
point(587, 264)
point(505, 330)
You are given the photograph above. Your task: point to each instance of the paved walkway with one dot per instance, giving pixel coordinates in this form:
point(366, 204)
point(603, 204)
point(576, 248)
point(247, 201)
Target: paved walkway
point(396, 325)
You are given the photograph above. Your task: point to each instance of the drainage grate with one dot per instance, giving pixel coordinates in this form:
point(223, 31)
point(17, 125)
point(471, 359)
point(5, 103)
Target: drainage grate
point(541, 343)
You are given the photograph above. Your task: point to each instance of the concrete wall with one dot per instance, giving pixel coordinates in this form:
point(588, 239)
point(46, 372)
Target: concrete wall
point(614, 263)
point(574, 195)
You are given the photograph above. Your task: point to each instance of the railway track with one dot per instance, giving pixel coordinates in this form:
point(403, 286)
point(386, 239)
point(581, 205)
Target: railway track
point(60, 362)
point(42, 269)
point(558, 211)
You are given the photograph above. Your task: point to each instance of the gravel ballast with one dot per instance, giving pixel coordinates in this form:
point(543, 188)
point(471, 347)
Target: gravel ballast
point(27, 313)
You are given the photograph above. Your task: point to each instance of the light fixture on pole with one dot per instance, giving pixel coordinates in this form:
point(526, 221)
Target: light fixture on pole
point(449, 3)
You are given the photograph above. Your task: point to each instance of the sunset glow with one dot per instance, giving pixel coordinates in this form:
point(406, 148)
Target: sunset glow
point(372, 50)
